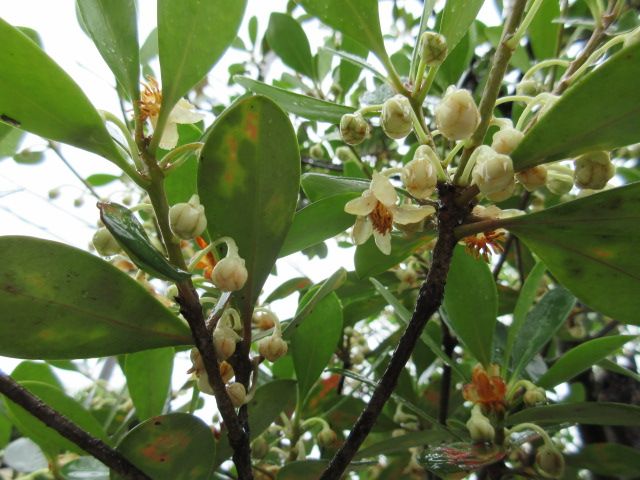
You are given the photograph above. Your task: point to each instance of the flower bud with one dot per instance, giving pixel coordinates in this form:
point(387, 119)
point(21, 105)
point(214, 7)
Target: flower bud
point(457, 115)
point(559, 179)
point(550, 461)
point(204, 385)
point(492, 171)
point(272, 347)
point(316, 152)
point(396, 117)
point(229, 274)
point(105, 243)
point(259, 447)
point(224, 340)
point(593, 170)
point(54, 193)
point(187, 220)
point(506, 140)
point(78, 202)
point(264, 319)
point(433, 48)
point(326, 437)
point(226, 371)
point(530, 88)
point(344, 154)
point(353, 128)
point(534, 396)
point(480, 429)
point(419, 175)
point(196, 362)
point(532, 178)
point(237, 394)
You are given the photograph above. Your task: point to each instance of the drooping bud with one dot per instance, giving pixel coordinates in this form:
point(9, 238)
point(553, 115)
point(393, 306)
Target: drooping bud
point(353, 128)
point(396, 117)
point(534, 396)
point(529, 88)
point(419, 175)
point(433, 48)
point(316, 152)
point(480, 429)
point(593, 170)
point(259, 447)
point(532, 178)
point(326, 437)
point(492, 171)
point(504, 194)
point(229, 274)
point(272, 347)
point(226, 371)
point(105, 243)
point(204, 385)
point(506, 140)
point(54, 193)
point(345, 154)
point(187, 220)
point(457, 115)
point(224, 340)
point(559, 179)
point(237, 393)
point(264, 319)
point(550, 461)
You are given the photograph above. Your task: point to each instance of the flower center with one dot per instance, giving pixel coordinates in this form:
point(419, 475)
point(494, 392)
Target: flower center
point(381, 218)
point(150, 99)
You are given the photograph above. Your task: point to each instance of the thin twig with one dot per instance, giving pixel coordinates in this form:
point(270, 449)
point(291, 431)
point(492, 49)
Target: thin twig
point(69, 430)
point(55, 148)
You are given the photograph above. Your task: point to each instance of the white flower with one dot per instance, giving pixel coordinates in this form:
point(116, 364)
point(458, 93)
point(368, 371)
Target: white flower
point(377, 211)
point(457, 115)
point(183, 113)
point(419, 175)
point(492, 172)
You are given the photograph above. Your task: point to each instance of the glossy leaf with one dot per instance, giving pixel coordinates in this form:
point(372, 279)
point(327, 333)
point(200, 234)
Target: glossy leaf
point(48, 439)
point(288, 287)
point(586, 117)
point(370, 261)
point(36, 372)
point(588, 244)
point(148, 376)
point(39, 97)
point(177, 446)
point(61, 302)
point(318, 221)
point(5, 430)
point(298, 104)
point(288, 40)
point(192, 36)
point(543, 31)
point(84, 468)
point(542, 322)
point(620, 370)
point(10, 140)
point(311, 350)
point(471, 303)
point(580, 358)
point(101, 179)
point(403, 442)
point(586, 413)
point(133, 239)
point(112, 25)
point(611, 459)
point(319, 185)
point(248, 181)
point(457, 17)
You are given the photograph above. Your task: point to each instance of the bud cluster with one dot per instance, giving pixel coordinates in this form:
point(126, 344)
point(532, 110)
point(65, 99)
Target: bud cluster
point(272, 347)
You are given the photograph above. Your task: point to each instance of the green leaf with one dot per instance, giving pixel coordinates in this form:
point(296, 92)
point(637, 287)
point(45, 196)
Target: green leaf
point(457, 17)
point(253, 29)
point(370, 261)
point(149, 380)
point(403, 443)
point(615, 368)
point(5, 430)
point(586, 413)
point(288, 40)
point(149, 49)
point(543, 31)
point(84, 468)
point(10, 140)
point(112, 25)
point(619, 461)
point(27, 157)
point(301, 105)
point(60, 302)
point(37, 372)
point(544, 320)
point(48, 439)
point(287, 288)
point(192, 36)
point(177, 446)
point(588, 116)
point(248, 181)
point(315, 341)
point(319, 185)
point(471, 303)
point(580, 358)
point(589, 244)
point(133, 239)
point(359, 19)
point(39, 97)
point(101, 179)
point(318, 221)
point(303, 470)
point(355, 60)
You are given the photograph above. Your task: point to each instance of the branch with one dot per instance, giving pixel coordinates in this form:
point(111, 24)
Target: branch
point(429, 300)
point(449, 344)
point(69, 430)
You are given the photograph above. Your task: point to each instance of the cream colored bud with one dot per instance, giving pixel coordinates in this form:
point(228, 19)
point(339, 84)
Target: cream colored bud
point(264, 319)
point(204, 385)
point(550, 461)
point(506, 140)
point(457, 115)
point(229, 274)
point(532, 178)
point(480, 429)
point(237, 394)
point(187, 220)
point(529, 88)
point(559, 179)
point(224, 340)
point(534, 396)
point(433, 48)
point(492, 171)
point(105, 243)
point(353, 128)
point(272, 347)
point(226, 371)
point(593, 170)
point(419, 175)
point(504, 194)
point(357, 358)
point(326, 437)
point(396, 117)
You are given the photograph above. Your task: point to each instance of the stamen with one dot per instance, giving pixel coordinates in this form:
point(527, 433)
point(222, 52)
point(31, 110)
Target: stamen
point(381, 218)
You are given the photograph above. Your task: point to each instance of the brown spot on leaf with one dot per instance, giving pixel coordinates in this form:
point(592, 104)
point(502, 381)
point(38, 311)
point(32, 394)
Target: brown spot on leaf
point(251, 127)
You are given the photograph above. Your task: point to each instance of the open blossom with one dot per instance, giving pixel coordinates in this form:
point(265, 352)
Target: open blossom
point(377, 211)
point(486, 388)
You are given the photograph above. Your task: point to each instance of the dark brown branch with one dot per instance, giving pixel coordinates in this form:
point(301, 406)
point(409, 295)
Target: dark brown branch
point(429, 300)
point(69, 430)
point(449, 344)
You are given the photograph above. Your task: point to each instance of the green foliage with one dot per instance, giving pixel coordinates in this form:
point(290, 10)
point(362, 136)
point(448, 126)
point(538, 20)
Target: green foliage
point(149, 387)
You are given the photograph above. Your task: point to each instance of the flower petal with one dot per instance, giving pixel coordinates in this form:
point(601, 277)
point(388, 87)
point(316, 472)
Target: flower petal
point(362, 206)
point(184, 112)
point(169, 138)
point(383, 190)
point(362, 230)
point(407, 214)
point(383, 241)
